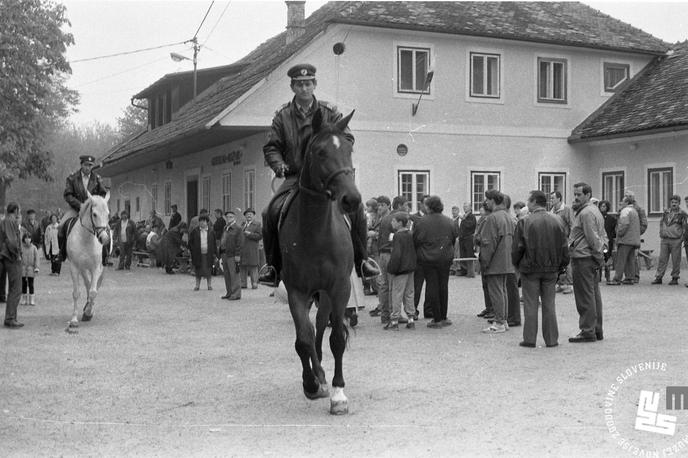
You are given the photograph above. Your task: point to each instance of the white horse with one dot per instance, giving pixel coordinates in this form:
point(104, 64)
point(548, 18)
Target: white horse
point(85, 253)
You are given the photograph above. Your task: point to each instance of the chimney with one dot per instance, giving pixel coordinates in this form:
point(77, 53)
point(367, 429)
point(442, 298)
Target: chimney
point(296, 19)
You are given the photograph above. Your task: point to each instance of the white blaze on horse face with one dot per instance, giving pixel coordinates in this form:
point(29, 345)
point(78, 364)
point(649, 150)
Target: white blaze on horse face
point(335, 141)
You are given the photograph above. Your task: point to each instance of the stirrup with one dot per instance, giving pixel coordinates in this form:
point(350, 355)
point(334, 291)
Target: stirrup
point(375, 265)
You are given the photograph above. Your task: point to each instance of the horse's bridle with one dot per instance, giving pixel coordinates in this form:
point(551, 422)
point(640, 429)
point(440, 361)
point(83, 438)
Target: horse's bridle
point(95, 230)
point(328, 179)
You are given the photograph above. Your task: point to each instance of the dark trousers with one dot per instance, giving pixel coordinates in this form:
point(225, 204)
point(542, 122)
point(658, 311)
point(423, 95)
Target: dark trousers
point(55, 264)
point(13, 270)
point(466, 251)
point(126, 251)
point(271, 215)
point(3, 284)
point(27, 284)
point(232, 277)
point(486, 295)
point(586, 290)
point(513, 308)
point(418, 280)
point(539, 286)
point(437, 288)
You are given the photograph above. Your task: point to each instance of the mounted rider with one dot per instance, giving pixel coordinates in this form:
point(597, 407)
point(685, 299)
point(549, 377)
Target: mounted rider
point(77, 187)
point(291, 130)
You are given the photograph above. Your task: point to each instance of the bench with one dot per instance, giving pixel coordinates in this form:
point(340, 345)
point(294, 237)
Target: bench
point(145, 258)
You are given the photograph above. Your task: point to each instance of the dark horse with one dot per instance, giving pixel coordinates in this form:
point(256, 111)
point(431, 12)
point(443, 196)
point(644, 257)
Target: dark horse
point(318, 256)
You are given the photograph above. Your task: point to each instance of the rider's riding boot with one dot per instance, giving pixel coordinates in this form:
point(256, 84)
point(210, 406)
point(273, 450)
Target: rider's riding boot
point(369, 269)
point(268, 276)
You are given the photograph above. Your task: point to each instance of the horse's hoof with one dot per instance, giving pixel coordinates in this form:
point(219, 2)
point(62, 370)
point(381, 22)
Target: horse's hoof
point(323, 392)
point(85, 317)
point(339, 407)
point(72, 328)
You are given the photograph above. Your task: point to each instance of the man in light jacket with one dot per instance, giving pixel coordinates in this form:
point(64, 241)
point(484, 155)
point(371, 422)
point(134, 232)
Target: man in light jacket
point(495, 257)
point(671, 229)
point(627, 241)
point(587, 243)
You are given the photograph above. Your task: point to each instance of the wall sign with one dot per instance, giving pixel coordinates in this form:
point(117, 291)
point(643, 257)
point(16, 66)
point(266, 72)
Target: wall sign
point(233, 156)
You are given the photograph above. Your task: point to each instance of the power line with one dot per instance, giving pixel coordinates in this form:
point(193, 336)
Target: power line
point(217, 22)
point(126, 52)
point(204, 17)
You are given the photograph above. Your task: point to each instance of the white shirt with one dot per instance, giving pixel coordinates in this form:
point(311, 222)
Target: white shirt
point(123, 231)
point(204, 241)
point(85, 179)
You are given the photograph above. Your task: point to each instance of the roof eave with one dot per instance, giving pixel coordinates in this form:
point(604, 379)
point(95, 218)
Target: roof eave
point(421, 28)
point(627, 134)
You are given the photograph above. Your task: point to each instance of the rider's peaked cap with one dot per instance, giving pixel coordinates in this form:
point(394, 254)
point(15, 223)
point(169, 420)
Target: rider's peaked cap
point(301, 72)
point(249, 210)
point(87, 158)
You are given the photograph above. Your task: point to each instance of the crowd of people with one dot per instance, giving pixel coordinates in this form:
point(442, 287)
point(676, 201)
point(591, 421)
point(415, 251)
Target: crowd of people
point(544, 247)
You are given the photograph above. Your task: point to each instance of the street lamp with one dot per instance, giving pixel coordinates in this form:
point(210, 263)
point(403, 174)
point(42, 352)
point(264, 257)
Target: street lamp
point(178, 58)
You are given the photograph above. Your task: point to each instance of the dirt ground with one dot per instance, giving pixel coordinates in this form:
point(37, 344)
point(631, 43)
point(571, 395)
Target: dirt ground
point(165, 371)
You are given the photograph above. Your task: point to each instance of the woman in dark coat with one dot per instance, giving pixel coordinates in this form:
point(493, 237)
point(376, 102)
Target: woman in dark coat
point(203, 248)
point(434, 236)
point(170, 246)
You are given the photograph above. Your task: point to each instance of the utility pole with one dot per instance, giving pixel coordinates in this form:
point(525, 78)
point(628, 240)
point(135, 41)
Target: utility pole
point(195, 60)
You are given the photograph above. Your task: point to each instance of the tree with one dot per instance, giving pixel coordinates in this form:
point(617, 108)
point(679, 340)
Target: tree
point(33, 95)
point(134, 119)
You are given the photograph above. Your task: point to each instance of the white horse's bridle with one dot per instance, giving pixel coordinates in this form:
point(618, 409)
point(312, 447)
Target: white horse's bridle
point(95, 230)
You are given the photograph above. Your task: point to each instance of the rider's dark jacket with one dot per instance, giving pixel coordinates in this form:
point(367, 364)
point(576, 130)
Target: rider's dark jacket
point(291, 130)
point(74, 192)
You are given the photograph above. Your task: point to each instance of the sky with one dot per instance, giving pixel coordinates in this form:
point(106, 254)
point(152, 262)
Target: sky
point(230, 31)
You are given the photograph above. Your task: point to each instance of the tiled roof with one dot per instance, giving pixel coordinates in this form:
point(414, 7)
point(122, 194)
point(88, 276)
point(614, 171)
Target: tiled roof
point(656, 98)
point(568, 23)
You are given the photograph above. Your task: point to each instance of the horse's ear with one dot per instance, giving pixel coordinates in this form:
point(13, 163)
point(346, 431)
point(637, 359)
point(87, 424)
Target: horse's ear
point(107, 195)
point(317, 121)
point(344, 122)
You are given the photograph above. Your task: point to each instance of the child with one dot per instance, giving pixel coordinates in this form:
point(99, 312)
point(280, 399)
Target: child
point(51, 247)
point(402, 264)
point(29, 268)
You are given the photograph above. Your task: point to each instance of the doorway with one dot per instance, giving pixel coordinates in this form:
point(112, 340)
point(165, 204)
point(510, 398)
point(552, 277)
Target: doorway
point(191, 198)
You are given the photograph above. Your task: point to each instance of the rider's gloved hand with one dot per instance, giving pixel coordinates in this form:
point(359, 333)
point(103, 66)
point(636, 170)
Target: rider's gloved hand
point(281, 170)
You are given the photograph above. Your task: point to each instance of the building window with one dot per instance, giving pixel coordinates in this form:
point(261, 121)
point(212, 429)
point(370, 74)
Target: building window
point(550, 182)
point(551, 80)
point(660, 189)
point(485, 75)
point(168, 198)
point(226, 191)
point(205, 193)
point(249, 188)
point(154, 197)
point(613, 189)
point(615, 75)
point(481, 182)
point(118, 207)
point(413, 67)
point(413, 185)
point(138, 204)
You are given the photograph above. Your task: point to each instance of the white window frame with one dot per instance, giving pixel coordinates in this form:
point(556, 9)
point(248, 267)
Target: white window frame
point(478, 197)
point(664, 188)
point(615, 191)
point(249, 187)
point(552, 176)
point(607, 64)
point(167, 197)
point(205, 192)
point(396, 80)
point(549, 99)
point(486, 56)
point(226, 191)
point(413, 196)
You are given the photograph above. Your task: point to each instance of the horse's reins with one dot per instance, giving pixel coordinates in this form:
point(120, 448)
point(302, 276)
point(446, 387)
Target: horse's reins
point(326, 182)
